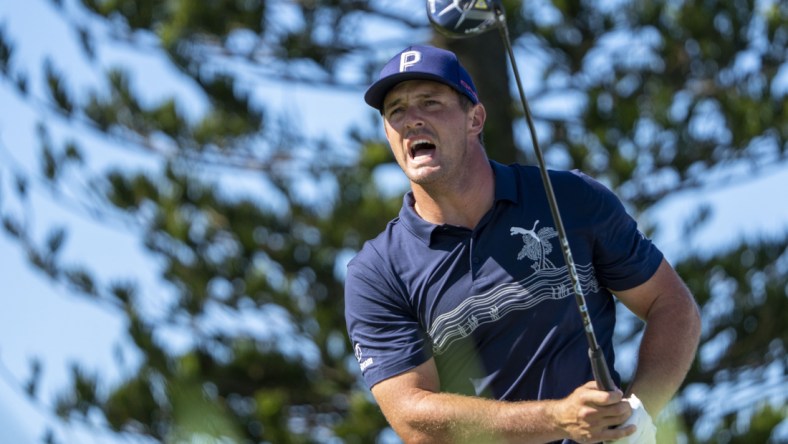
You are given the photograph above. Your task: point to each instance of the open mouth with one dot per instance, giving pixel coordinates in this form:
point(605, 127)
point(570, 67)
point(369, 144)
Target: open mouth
point(421, 147)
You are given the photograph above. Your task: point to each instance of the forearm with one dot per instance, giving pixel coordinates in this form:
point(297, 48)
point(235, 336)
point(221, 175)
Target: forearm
point(419, 412)
point(667, 350)
point(442, 417)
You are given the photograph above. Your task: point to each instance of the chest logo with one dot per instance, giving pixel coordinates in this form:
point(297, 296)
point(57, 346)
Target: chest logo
point(536, 245)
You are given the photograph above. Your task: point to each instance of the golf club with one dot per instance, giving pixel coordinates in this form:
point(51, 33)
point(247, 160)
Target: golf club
point(467, 18)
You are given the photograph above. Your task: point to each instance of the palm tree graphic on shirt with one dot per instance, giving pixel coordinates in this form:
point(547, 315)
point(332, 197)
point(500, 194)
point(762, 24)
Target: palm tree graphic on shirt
point(537, 245)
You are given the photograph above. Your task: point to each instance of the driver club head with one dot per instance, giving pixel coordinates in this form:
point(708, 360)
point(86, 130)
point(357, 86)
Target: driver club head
point(464, 18)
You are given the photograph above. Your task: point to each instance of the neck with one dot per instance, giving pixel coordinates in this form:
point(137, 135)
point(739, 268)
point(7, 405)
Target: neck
point(462, 203)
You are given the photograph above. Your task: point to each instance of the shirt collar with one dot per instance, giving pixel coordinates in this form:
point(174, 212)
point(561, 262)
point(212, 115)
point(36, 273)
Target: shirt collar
point(505, 189)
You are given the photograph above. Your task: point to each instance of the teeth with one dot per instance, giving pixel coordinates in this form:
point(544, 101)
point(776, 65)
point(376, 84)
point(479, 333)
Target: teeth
point(415, 145)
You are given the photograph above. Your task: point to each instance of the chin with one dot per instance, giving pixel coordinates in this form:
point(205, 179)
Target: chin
point(426, 178)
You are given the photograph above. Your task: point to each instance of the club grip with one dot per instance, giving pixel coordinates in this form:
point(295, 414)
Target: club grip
point(601, 373)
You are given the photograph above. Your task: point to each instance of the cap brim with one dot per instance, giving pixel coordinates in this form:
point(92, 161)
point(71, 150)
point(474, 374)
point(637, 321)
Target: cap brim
point(377, 92)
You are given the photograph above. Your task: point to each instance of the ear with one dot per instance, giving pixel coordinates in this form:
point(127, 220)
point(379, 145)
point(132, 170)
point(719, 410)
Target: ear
point(477, 118)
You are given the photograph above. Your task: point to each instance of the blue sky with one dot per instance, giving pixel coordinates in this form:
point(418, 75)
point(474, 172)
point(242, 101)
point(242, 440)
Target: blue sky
point(38, 319)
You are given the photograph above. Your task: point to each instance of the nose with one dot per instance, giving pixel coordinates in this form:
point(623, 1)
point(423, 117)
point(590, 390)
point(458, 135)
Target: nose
point(413, 118)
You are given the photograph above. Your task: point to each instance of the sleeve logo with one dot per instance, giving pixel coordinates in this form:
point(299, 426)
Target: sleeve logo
point(363, 363)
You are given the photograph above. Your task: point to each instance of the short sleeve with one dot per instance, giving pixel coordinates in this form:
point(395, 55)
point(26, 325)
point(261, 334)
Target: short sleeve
point(384, 331)
point(623, 256)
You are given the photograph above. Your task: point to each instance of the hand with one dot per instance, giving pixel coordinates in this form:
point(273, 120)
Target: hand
point(588, 414)
point(646, 432)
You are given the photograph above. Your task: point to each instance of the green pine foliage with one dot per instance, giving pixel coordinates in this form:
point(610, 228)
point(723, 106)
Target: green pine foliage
point(661, 99)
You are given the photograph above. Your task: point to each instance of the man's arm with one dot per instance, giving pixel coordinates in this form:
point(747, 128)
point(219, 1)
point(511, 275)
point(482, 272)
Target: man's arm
point(670, 338)
point(418, 412)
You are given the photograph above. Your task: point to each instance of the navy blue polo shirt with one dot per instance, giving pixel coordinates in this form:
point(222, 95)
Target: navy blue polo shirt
point(494, 305)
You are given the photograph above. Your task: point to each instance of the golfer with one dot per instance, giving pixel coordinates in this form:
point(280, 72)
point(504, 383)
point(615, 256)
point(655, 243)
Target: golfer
point(461, 312)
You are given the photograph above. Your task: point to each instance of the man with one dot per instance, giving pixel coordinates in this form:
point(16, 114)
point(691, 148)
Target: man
point(461, 312)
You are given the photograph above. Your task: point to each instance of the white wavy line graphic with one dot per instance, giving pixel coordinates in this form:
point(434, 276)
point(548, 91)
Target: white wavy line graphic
point(551, 283)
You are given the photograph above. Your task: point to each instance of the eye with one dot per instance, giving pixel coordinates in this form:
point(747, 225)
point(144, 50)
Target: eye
point(393, 112)
point(432, 104)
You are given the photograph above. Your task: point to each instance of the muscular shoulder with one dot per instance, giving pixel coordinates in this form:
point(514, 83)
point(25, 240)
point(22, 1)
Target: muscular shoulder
point(528, 175)
point(376, 270)
point(376, 253)
point(574, 189)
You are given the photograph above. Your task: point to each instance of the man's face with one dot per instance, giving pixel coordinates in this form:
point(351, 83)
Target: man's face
point(428, 130)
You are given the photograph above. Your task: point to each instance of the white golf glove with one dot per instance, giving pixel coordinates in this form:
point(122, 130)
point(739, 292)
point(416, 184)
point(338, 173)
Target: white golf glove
point(646, 431)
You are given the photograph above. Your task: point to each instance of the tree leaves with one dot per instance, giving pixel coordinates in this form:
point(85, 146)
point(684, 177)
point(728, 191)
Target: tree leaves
point(57, 89)
point(251, 283)
point(6, 51)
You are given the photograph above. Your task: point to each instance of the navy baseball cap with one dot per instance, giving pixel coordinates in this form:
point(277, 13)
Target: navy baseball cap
point(421, 63)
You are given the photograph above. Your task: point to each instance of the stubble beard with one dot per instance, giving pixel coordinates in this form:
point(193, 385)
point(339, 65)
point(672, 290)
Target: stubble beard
point(443, 177)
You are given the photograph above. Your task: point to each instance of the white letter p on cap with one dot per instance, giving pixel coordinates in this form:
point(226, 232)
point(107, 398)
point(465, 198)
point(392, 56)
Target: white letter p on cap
point(408, 59)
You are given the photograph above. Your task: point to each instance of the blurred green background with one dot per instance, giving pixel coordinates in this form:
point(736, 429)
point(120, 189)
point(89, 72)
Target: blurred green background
point(182, 183)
